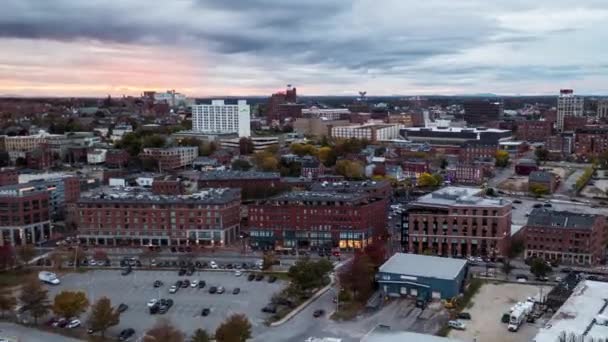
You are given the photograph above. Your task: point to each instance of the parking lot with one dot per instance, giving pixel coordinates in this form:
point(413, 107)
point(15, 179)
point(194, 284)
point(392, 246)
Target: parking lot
point(136, 289)
point(492, 301)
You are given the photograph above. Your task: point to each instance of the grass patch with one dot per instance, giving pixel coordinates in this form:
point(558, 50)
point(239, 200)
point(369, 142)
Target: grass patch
point(465, 301)
point(444, 331)
point(14, 277)
point(279, 275)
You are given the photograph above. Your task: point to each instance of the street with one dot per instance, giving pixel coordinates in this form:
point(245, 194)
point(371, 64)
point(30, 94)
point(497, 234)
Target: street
point(21, 333)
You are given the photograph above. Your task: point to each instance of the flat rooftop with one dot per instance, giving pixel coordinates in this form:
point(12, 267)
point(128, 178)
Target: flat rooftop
point(577, 315)
point(459, 196)
point(230, 174)
point(521, 211)
point(348, 185)
point(144, 195)
point(544, 217)
point(316, 196)
point(423, 266)
point(455, 129)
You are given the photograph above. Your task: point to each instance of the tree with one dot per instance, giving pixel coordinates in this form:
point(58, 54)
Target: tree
point(357, 278)
point(266, 161)
point(268, 261)
point(235, 328)
point(200, 335)
point(70, 303)
point(303, 149)
point(502, 158)
point(327, 156)
point(241, 165)
point(103, 315)
point(163, 331)
point(154, 140)
point(34, 299)
point(540, 268)
point(507, 267)
point(491, 192)
point(427, 180)
point(542, 154)
point(245, 146)
point(443, 163)
point(376, 251)
point(538, 190)
point(207, 148)
point(58, 258)
point(349, 169)
point(26, 253)
point(307, 274)
point(7, 303)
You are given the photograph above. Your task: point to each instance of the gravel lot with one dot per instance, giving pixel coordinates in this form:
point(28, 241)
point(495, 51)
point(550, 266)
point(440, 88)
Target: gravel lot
point(136, 289)
point(489, 304)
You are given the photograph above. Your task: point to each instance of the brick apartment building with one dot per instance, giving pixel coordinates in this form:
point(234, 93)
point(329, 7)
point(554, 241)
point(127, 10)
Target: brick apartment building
point(477, 150)
point(374, 189)
point(138, 217)
point(24, 217)
point(570, 238)
point(8, 176)
point(167, 185)
point(116, 158)
point(40, 158)
point(591, 142)
point(171, 158)
point(465, 173)
point(547, 180)
point(525, 166)
point(572, 123)
point(533, 130)
point(317, 219)
point(276, 105)
point(560, 146)
point(414, 167)
point(456, 222)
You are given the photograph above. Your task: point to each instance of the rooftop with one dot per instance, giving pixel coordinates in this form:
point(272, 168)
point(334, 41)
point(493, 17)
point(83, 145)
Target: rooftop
point(144, 195)
point(560, 219)
point(455, 129)
point(423, 266)
point(540, 176)
point(316, 196)
point(230, 174)
point(579, 313)
point(348, 185)
point(459, 196)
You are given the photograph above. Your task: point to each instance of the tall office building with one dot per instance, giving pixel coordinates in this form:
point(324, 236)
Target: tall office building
point(481, 112)
point(602, 109)
point(568, 105)
point(219, 117)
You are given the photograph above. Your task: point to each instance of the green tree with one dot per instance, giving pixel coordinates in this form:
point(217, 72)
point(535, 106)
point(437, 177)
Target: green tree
point(70, 303)
point(154, 140)
point(7, 303)
point(241, 165)
point(303, 149)
point(427, 180)
point(163, 331)
point(307, 275)
point(507, 267)
point(502, 158)
point(540, 268)
point(103, 316)
point(34, 299)
point(357, 278)
point(235, 328)
point(541, 153)
point(200, 335)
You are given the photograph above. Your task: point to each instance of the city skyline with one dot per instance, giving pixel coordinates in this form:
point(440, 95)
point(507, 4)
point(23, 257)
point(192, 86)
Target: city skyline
point(331, 47)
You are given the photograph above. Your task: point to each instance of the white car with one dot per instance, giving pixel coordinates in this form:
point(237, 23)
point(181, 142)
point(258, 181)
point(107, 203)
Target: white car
point(458, 325)
point(152, 302)
point(238, 273)
point(213, 265)
point(73, 324)
point(92, 263)
point(173, 289)
point(194, 283)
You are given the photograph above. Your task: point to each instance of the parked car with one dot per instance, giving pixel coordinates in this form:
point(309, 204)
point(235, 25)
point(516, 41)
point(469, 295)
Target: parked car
point(212, 289)
point(238, 273)
point(181, 272)
point(236, 290)
point(122, 307)
point(185, 283)
point(517, 201)
point(126, 334)
point(194, 283)
point(213, 265)
point(458, 325)
point(220, 290)
point(73, 324)
point(318, 313)
point(201, 284)
point(270, 308)
point(173, 289)
point(152, 302)
point(158, 283)
point(272, 279)
point(464, 315)
point(259, 277)
point(250, 277)
point(205, 312)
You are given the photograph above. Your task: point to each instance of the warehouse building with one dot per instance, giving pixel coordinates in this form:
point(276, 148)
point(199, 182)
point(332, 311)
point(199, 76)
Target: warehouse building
point(422, 276)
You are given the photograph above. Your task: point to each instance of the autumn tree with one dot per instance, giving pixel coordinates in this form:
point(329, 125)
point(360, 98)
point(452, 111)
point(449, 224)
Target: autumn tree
point(7, 303)
point(245, 146)
point(303, 149)
point(358, 276)
point(163, 331)
point(70, 303)
point(538, 190)
point(327, 156)
point(349, 169)
point(376, 251)
point(241, 165)
point(502, 158)
point(266, 161)
point(34, 299)
point(103, 316)
point(57, 258)
point(26, 253)
point(235, 328)
point(200, 335)
point(427, 180)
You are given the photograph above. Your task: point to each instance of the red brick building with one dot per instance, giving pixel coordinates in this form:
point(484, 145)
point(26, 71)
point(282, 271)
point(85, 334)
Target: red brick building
point(544, 179)
point(8, 176)
point(24, 217)
point(413, 168)
point(457, 222)
point(277, 110)
point(533, 130)
point(472, 151)
point(138, 217)
point(253, 184)
point(465, 174)
point(171, 158)
point(566, 237)
point(117, 158)
point(317, 219)
point(572, 123)
point(167, 186)
point(591, 142)
point(560, 146)
point(40, 158)
point(526, 166)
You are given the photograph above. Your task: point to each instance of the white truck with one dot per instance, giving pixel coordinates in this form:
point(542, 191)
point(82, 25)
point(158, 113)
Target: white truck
point(48, 277)
point(519, 313)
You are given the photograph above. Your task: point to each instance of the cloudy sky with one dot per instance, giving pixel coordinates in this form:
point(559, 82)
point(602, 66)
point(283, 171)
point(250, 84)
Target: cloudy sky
point(324, 47)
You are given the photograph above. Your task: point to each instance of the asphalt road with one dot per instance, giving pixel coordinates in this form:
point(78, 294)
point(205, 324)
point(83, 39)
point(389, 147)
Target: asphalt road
point(25, 334)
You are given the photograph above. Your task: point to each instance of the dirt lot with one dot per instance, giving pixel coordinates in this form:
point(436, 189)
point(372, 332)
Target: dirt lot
point(488, 306)
point(518, 183)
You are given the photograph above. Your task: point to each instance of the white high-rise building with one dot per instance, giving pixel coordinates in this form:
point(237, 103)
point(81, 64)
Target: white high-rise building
point(219, 117)
point(568, 105)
